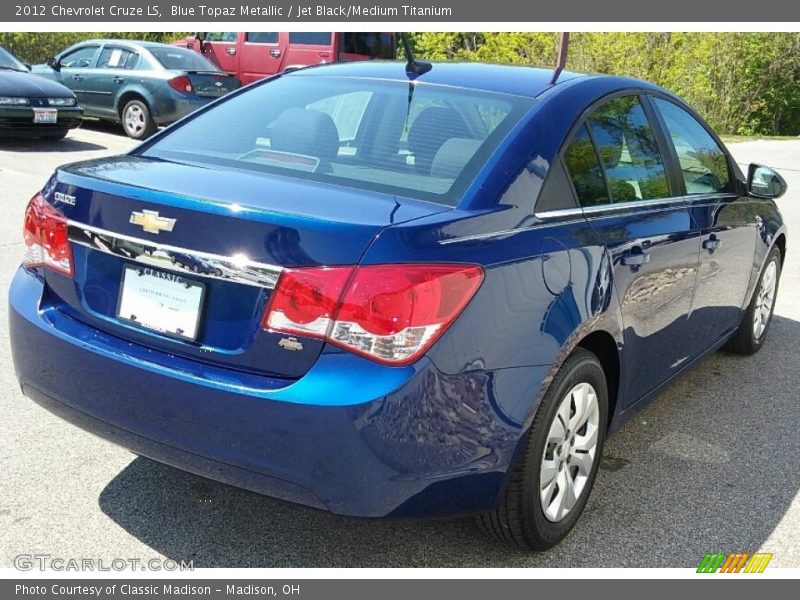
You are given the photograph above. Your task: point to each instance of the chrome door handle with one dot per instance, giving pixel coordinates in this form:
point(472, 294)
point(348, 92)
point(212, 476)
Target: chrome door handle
point(77, 77)
point(712, 244)
point(118, 80)
point(635, 259)
point(275, 52)
point(230, 51)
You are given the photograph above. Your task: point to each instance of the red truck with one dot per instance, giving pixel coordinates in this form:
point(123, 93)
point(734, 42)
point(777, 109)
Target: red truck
point(255, 55)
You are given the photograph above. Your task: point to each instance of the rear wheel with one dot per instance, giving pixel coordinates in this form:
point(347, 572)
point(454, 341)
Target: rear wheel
point(137, 121)
point(551, 484)
point(753, 329)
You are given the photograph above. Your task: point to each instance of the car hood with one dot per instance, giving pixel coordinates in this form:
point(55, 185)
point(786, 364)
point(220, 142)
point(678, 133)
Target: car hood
point(13, 83)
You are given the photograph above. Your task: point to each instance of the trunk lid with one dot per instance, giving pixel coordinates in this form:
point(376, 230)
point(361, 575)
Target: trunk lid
point(212, 84)
point(231, 232)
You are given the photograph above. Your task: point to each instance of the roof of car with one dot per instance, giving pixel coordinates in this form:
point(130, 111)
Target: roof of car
point(137, 43)
point(520, 80)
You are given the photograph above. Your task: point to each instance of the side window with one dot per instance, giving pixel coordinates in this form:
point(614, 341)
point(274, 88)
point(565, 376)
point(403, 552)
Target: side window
point(376, 45)
point(79, 58)
point(220, 36)
point(117, 58)
point(346, 110)
point(261, 37)
point(704, 165)
point(585, 170)
point(310, 38)
point(628, 151)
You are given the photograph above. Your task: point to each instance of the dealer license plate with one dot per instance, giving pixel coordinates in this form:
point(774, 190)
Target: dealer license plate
point(161, 301)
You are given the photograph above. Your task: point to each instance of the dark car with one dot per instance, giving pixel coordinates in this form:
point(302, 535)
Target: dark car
point(32, 107)
point(139, 84)
point(438, 292)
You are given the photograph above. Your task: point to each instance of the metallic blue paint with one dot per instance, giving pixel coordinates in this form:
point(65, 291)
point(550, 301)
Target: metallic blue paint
point(334, 430)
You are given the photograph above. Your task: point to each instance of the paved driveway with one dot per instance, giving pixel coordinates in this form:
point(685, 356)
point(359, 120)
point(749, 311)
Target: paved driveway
point(711, 465)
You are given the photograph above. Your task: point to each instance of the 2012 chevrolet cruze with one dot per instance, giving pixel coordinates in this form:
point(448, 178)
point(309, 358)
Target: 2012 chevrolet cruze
point(385, 292)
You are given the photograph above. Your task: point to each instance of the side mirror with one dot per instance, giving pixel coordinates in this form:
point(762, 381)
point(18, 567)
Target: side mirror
point(54, 63)
point(28, 66)
point(763, 182)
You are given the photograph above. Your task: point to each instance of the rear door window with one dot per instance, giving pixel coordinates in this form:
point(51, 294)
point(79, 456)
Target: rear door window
point(585, 170)
point(310, 38)
point(261, 37)
point(375, 45)
point(704, 165)
point(117, 58)
point(628, 151)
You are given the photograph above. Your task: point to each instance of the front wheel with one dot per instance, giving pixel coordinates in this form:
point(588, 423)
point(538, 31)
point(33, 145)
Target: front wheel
point(753, 329)
point(551, 484)
point(137, 121)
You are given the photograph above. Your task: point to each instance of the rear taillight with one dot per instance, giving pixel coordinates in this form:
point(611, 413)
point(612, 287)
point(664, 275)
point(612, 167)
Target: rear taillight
point(181, 84)
point(390, 313)
point(46, 237)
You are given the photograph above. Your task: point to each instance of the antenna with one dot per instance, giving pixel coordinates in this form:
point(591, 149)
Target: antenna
point(561, 57)
point(417, 67)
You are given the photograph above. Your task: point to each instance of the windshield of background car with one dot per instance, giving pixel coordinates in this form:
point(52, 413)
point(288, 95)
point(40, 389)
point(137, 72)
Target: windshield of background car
point(7, 61)
point(182, 60)
point(418, 140)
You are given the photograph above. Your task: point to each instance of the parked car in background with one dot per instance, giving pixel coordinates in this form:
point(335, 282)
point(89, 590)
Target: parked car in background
point(139, 84)
point(31, 106)
point(254, 55)
point(385, 299)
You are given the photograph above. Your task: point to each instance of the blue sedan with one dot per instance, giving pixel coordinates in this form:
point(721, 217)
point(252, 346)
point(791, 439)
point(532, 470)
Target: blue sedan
point(388, 292)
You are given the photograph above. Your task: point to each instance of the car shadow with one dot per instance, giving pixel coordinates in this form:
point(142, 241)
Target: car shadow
point(68, 144)
point(705, 467)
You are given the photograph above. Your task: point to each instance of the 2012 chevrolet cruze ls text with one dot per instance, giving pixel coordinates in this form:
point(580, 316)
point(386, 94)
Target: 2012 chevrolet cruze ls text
point(388, 292)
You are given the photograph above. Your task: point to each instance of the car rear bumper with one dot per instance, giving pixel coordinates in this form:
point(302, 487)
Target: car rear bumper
point(351, 436)
point(174, 106)
point(18, 121)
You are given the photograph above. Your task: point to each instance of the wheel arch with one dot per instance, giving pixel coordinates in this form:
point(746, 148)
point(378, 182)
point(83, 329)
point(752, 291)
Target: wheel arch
point(129, 95)
point(603, 345)
point(780, 242)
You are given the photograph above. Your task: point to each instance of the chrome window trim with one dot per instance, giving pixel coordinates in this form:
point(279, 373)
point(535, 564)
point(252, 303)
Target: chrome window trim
point(622, 206)
point(234, 269)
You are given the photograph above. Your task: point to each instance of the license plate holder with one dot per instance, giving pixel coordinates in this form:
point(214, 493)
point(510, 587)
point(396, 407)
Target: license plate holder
point(160, 301)
point(45, 115)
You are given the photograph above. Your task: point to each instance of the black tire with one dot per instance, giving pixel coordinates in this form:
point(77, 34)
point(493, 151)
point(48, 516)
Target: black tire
point(137, 121)
point(55, 136)
point(745, 341)
point(520, 520)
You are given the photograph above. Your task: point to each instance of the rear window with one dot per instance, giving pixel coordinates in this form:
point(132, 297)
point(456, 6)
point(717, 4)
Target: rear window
point(422, 141)
point(182, 60)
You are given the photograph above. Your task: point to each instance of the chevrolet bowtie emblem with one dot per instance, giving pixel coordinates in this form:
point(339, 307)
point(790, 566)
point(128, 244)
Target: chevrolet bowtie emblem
point(151, 222)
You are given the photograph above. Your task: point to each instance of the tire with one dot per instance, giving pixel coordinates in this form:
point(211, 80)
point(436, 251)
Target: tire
point(750, 335)
point(521, 518)
point(137, 121)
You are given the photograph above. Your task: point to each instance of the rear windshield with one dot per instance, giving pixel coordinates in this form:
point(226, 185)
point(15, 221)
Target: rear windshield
point(422, 141)
point(182, 60)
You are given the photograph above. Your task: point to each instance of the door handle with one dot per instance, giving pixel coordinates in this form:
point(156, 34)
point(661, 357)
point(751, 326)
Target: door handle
point(77, 77)
point(712, 243)
point(634, 259)
point(118, 80)
point(275, 53)
point(230, 51)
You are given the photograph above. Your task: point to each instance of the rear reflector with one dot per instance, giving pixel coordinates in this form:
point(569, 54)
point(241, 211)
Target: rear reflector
point(390, 313)
point(46, 237)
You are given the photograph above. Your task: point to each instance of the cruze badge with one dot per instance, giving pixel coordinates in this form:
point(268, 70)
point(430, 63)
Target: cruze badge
point(65, 198)
point(151, 222)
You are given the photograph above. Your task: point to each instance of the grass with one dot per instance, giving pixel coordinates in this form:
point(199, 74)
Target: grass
point(732, 139)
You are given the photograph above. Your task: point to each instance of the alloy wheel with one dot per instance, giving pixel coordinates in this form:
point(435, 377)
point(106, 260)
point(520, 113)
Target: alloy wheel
point(765, 299)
